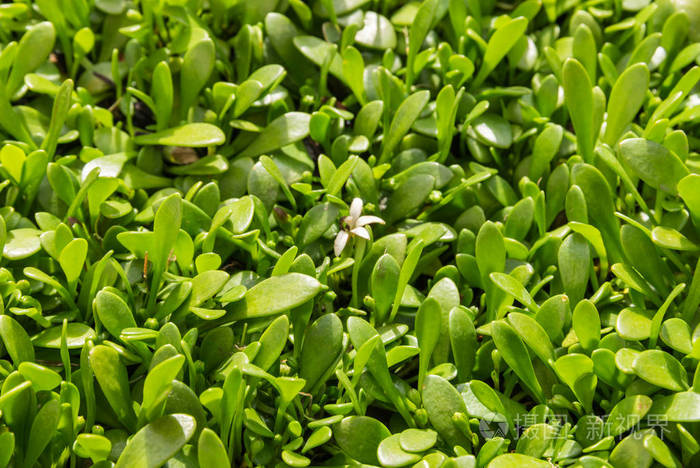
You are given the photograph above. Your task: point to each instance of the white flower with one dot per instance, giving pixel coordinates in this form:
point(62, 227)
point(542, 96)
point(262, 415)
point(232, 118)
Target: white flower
point(354, 225)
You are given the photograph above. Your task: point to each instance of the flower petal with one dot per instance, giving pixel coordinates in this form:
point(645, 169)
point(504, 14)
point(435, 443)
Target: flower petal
point(340, 241)
point(356, 208)
point(368, 219)
point(361, 232)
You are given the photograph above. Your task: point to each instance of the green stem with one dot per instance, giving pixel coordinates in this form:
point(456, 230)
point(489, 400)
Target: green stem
point(360, 245)
point(658, 206)
point(692, 300)
point(348, 387)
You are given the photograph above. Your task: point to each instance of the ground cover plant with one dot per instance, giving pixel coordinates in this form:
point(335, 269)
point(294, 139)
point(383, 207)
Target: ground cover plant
point(438, 233)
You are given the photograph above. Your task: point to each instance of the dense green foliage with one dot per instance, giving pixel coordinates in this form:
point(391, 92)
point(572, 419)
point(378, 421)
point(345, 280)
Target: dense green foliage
point(438, 233)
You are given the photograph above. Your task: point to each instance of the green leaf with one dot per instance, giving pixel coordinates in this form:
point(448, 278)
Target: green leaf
point(594, 238)
point(376, 32)
point(537, 439)
point(515, 354)
point(633, 324)
point(644, 51)
point(197, 66)
point(339, 7)
point(34, 48)
point(16, 340)
point(272, 343)
point(206, 284)
point(112, 7)
point(661, 369)
point(213, 164)
point(94, 446)
point(533, 335)
point(513, 287)
point(579, 100)
point(383, 283)
point(166, 227)
point(690, 195)
point(675, 333)
point(416, 35)
point(600, 206)
point(669, 238)
point(493, 130)
point(7, 448)
point(407, 113)
point(281, 31)
point(353, 72)
point(630, 277)
point(368, 118)
point(210, 449)
point(76, 336)
point(21, 243)
point(61, 106)
point(341, 175)
point(322, 347)
point(316, 222)
point(441, 400)
point(407, 268)
point(284, 130)
point(162, 93)
point(586, 324)
point(545, 148)
point(660, 451)
point(289, 388)
point(678, 407)
point(43, 428)
point(272, 169)
point(72, 259)
point(112, 376)
point(490, 250)
point(409, 197)
point(319, 51)
point(626, 414)
point(379, 368)
point(16, 402)
point(462, 341)
point(276, 295)
point(158, 384)
point(516, 460)
point(359, 437)
point(192, 135)
point(257, 83)
point(417, 440)
point(317, 438)
point(241, 214)
point(294, 459)
point(42, 378)
point(391, 454)
point(13, 159)
point(584, 49)
point(574, 259)
point(502, 40)
point(630, 452)
point(626, 98)
point(653, 163)
point(428, 320)
point(644, 256)
point(157, 442)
